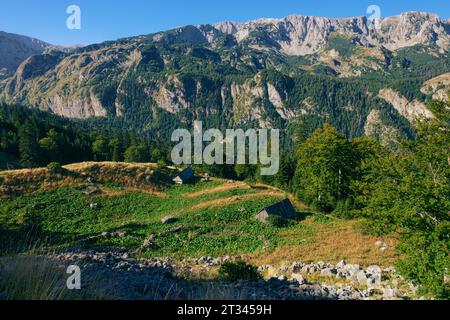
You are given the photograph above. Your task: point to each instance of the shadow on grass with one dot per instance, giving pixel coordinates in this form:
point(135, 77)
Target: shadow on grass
point(17, 239)
point(302, 215)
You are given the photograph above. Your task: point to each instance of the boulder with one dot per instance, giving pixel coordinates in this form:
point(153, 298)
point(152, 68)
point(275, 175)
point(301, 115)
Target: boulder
point(90, 179)
point(168, 220)
point(391, 293)
point(328, 272)
point(374, 280)
point(374, 269)
point(299, 278)
point(379, 243)
point(352, 268)
point(361, 278)
point(90, 191)
point(309, 269)
point(282, 278)
point(94, 206)
point(341, 264)
point(149, 242)
point(296, 267)
point(176, 229)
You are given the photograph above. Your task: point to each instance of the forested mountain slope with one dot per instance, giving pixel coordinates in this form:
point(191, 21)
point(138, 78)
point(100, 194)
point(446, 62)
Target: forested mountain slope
point(265, 73)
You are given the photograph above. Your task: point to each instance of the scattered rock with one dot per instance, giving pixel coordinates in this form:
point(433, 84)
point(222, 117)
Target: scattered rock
point(352, 269)
point(149, 242)
point(379, 243)
point(391, 293)
point(131, 273)
point(299, 278)
point(309, 269)
point(122, 235)
point(176, 229)
point(90, 179)
point(383, 246)
point(296, 267)
point(361, 277)
point(341, 264)
point(328, 272)
point(282, 278)
point(374, 269)
point(374, 281)
point(92, 191)
point(168, 220)
point(94, 206)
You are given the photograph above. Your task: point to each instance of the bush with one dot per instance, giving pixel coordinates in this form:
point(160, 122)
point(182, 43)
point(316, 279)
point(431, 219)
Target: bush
point(427, 260)
point(344, 209)
point(137, 153)
point(235, 271)
point(277, 221)
point(161, 164)
point(55, 168)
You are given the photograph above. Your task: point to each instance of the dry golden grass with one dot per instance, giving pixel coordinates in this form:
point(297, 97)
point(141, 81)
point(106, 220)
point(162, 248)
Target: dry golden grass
point(118, 193)
point(228, 201)
point(225, 187)
point(332, 242)
point(131, 175)
point(86, 165)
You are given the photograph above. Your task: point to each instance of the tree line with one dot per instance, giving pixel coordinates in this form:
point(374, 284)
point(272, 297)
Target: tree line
point(403, 189)
point(35, 139)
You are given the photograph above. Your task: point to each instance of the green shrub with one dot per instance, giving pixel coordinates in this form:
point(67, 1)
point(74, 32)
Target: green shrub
point(55, 168)
point(427, 260)
point(161, 164)
point(235, 271)
point(344, 209)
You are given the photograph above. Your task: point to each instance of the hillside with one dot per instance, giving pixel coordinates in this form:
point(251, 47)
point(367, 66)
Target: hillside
point(219, 210)
point(14, 49)
point(267, 72)
point(107, 206)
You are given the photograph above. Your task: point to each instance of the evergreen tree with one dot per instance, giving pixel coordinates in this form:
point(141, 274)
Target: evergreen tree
point(28, 146)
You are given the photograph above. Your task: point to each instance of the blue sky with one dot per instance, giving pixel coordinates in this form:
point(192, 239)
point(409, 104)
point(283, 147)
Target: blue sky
point(111, 19)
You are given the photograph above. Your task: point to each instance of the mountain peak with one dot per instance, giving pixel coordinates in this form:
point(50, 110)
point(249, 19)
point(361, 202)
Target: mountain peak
point(16, 48)
point(298, 34)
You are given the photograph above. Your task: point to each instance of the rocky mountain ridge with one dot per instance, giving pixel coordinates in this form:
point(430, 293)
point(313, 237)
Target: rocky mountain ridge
point(14, 49)
point(266, 72)
point(301, 35)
